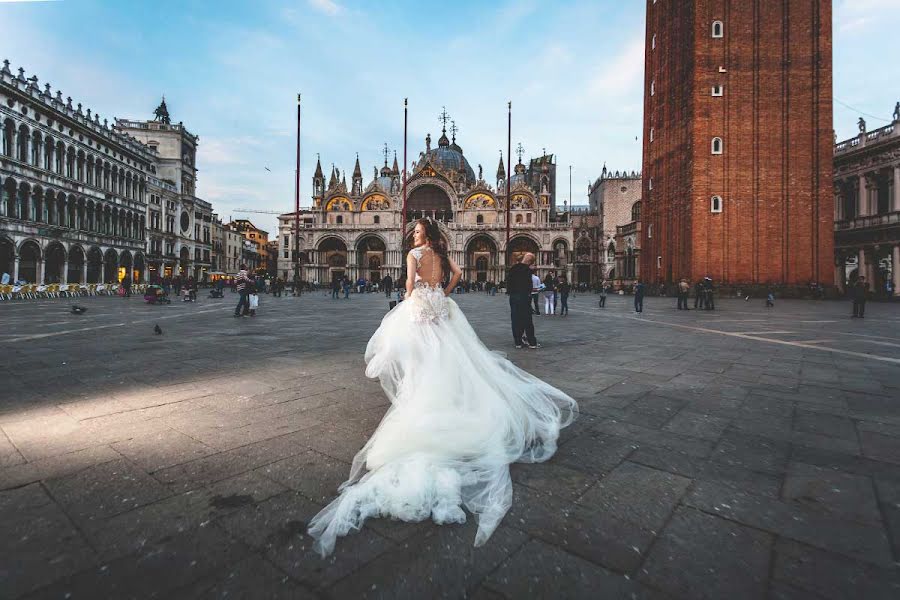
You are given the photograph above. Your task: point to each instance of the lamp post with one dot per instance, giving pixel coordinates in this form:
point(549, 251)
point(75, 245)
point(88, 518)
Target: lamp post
point(297, 209)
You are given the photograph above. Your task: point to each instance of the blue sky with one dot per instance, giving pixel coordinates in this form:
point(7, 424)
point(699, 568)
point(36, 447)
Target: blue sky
point(231, 71)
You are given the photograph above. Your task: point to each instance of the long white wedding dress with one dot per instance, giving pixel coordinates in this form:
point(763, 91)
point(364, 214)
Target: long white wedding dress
point(459, 415)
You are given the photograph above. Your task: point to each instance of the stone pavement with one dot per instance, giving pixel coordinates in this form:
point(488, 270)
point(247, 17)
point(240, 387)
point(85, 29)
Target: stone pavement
point(745, 453)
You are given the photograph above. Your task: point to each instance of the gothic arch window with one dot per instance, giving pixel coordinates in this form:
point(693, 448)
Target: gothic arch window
point(636, 211)
point(653, 87)
point(653, 42)
point(715, 204)
point(611, 252)
point(716, 146)
point(718, 29)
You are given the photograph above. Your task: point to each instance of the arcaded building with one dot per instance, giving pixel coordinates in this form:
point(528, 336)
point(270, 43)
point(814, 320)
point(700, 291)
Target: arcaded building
point(354, 229)
point(737, 159)
point(867, 207)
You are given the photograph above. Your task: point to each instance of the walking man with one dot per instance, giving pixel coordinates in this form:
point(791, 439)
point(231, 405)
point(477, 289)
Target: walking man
point(519, 288)
point(603, 288)
point(858, 293)
point(639, 296)
point(243, 305)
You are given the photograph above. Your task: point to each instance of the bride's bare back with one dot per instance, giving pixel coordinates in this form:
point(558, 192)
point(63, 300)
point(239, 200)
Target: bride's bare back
point(423, 264)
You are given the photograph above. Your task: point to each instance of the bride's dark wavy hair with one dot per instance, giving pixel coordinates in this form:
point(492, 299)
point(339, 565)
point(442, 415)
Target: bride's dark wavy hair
point(438, 245)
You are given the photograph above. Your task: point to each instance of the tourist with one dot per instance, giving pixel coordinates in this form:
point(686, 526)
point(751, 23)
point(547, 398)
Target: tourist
point(639, 296)
point(698, 295)
point(535, 289)
point(346, 286)
point(520, 287)
point(335, 288)
point(126, 285)
point(603, 289)
point(388, 284)
point(564, 290)
point(5, 279)
point(549, 294)
point(858, 294)
point(360, 285)
point(770, 299)
point(708, 299)
point(242, 281)
point(684, 288)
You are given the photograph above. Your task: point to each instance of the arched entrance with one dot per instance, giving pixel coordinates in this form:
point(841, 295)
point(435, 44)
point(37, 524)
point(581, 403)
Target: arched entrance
point(55, 263)
point(370, 255)
point(7, 257)
point(333, 253)
point(139, 268)
point(560, 254)
point(95, 265)
point(481, 256)
point(76, 265)
point(185, 261)
point(518, 246)
point(429, 201)
point(125, 263)
point(111, 266)
point(29, 259)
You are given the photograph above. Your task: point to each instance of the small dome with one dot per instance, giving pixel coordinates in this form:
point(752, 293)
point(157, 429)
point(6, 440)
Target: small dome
point(447, 159)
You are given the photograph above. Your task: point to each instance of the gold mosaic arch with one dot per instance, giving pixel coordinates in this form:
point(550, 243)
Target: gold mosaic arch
point(480, 200)
point(521, 201)
point(376, 202)
point(339, 203)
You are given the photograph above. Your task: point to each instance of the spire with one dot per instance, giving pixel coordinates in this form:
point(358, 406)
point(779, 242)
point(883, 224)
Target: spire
point(501, 169)
point(357, 172)
point(395, 170)
point(318, 173)
point(333, 180)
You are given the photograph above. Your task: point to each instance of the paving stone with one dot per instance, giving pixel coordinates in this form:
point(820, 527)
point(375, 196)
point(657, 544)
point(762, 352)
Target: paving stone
point(56, 466)
point(600, 538)
point(703, 556)
point(831, 492)
point(698, 425)
point(161, 449)
point(553, 479)
point(831, 575)
point(637, 493)
point(277, 528)
point(154, 570)
point(880, 447)
point(889, 501)
point(314, 475)
point(9, 455)
point(104, 490)
point(442, 564)
point(651, 437)
point(752, 452)
point(824, 424)
point(593, 452)
point(859, 540)
point(40, 544)
point(252, 577)
point(540, 570)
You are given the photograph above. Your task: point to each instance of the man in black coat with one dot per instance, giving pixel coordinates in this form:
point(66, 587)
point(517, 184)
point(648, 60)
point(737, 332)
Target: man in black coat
point(519, 290)
point(388, 284)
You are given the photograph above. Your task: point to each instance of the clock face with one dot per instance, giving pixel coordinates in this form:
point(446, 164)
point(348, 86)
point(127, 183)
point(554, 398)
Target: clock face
point(185, 221)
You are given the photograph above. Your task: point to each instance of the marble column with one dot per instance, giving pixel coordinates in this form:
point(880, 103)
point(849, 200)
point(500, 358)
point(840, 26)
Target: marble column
point(15, 273)
point(862, 201)
point(84, 266)
point(103, 271)
point(895, 203)
point(895, 269)
point(41, 269)
point(64, 276)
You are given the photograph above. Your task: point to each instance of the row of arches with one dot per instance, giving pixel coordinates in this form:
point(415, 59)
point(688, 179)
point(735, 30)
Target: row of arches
point(44, 205)
point(31, 146)
point(53, 263)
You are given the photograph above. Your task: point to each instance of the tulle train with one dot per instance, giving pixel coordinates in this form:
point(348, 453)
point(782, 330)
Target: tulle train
point(459, 415)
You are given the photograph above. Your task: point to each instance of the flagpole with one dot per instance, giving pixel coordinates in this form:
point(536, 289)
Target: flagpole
point(297, 209)
point(508, 171)
point(403, 208)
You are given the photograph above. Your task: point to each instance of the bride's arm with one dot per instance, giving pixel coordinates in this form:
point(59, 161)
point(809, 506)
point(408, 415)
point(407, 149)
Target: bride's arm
point(410, 273)
point(454, 278)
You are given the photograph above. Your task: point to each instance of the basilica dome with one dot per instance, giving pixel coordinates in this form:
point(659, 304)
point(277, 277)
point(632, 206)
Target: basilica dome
point(448, 158)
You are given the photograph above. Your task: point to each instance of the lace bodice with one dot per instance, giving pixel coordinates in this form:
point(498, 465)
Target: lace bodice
point(428, 300)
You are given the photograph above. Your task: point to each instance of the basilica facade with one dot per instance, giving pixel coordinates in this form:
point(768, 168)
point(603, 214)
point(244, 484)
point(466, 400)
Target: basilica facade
point(354, 230)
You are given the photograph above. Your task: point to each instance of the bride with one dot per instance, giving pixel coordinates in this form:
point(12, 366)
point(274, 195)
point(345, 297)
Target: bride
point(459, 415)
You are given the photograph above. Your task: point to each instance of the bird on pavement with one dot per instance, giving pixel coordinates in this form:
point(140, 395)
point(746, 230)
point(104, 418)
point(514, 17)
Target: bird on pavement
point(77, 310)
point(157, 330)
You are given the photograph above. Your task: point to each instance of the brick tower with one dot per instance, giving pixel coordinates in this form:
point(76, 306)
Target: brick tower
point(738, 142)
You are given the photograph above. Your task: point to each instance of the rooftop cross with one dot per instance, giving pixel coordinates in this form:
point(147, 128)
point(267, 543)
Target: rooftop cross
point(444, 117)
point(453, 130)
point(386, 152)
point(520, 151)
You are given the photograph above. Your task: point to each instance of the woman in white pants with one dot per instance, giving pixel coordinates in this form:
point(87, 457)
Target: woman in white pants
point(549, 304)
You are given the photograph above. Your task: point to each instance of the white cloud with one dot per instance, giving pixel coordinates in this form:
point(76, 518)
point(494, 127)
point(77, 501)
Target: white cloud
point(622, 74)
point(328, 7)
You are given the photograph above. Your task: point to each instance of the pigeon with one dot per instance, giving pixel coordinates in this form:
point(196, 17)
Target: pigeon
point(77, 310)
point(157, 330)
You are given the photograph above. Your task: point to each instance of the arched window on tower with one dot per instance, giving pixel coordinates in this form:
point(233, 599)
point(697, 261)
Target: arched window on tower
point(716, 145)
point(718, 29)
point(715, 204)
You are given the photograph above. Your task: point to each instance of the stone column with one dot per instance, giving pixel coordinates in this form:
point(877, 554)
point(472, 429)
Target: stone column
point(862, 202)
point(103, 270)
point(895, 204)
point(84, 266)
point(15, 273)
point(895, 267)
point(41, 269)
point(839, 272)
point(64, 276)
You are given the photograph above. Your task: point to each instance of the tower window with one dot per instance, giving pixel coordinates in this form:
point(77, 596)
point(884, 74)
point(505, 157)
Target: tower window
point(718, 29)
point(717, 145)
point(651, 134)
point(715, 204)
point(650, 183)
point(653, 87)
point(650, 230)
point(653, 42)
point(717, 90)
